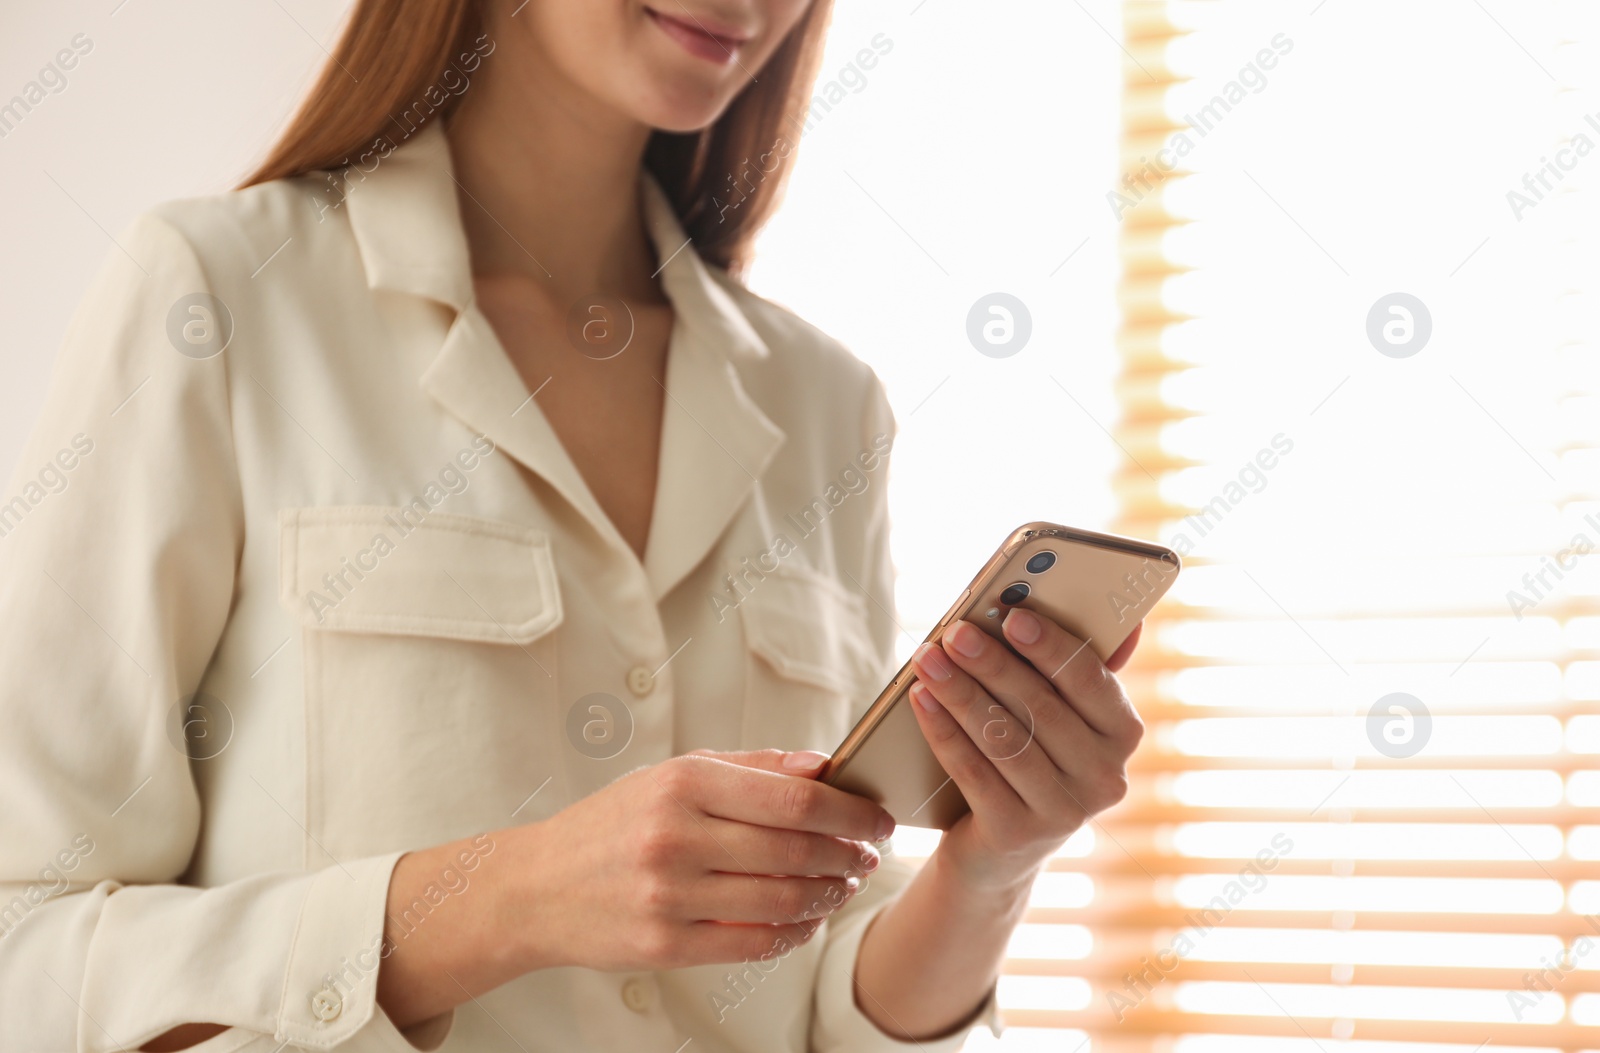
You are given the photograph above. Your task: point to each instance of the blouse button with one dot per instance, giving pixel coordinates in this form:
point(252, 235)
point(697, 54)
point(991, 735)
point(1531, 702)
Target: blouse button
point(640, 680)
point(636, 996)
point(326, 1004)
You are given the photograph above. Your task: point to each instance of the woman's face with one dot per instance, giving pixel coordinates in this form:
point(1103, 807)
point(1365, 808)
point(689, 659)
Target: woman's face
point(670, 64)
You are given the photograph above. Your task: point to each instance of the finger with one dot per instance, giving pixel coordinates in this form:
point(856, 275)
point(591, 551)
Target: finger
point(981, 781)
point(1124, 651)
point(1003, 736)
point(804, 763)
point(974, 774)
point(1076, 671)
point(766, 900)
point(746, 795)
point(717, 942)
point(741, 848)
point(1046, 716)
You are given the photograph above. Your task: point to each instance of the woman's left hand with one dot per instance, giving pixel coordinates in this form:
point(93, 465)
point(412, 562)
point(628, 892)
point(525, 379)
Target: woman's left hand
point(1037, 745)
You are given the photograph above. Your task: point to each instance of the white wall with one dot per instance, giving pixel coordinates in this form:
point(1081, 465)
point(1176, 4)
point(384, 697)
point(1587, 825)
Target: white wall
point(173, 98)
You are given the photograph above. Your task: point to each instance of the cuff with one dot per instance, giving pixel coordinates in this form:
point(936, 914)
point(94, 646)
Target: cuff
point(331, 987)
point(841, 1025)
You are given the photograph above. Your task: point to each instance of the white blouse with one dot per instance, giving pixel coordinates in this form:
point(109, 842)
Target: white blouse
point(295, 576)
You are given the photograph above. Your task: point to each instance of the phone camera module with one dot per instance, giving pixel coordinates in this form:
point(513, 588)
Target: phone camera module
point(1015, 594)
point(1040, 562)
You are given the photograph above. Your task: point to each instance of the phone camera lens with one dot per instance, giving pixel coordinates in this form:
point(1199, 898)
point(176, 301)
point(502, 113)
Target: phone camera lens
point(1041, 562)
point(1015, 594)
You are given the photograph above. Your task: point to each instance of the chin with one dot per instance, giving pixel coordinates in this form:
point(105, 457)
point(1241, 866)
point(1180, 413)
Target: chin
point(681, 119)
point(680, 105)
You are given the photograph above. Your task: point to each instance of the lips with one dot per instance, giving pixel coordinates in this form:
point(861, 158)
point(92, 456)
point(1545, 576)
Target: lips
point(700, 37)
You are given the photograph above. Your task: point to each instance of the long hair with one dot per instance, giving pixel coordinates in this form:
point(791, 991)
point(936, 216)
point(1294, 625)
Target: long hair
point(398, 60)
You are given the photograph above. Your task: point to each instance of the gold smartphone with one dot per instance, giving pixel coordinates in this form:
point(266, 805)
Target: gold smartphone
point(1096, 586)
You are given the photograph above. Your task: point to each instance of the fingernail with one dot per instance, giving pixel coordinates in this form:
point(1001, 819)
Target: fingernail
point(852, 883)
point(1022, 626)
point(932, 661)
point(967, 640)
point(870, 858)
point(924, 697)
point(885, 827)
point(802, 759)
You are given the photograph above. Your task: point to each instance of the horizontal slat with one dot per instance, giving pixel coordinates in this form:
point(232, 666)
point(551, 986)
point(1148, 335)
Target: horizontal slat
point(1156, 706)
point(1155, 815)
point(1152, 210)
point(1126, 926)
point(1153, 1020)
point(1150, 760)
point(1155, 656)
point(1148, 26)
point(1108, 974)
point(1141, 860)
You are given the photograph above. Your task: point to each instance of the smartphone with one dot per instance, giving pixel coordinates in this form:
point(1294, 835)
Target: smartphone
point(1098, 587)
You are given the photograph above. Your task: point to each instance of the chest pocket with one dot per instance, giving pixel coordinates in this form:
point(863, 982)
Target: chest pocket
point(430, 671)
point(812, 667)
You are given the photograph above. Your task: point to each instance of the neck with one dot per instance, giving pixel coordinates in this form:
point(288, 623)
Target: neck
point(549, 184)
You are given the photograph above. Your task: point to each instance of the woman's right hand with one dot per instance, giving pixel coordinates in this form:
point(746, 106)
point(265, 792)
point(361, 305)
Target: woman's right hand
point(705, 858)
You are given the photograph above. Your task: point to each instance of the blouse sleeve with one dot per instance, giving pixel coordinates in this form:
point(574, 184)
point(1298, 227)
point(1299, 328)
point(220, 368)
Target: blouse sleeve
point(120, 536)
point(838, 1024)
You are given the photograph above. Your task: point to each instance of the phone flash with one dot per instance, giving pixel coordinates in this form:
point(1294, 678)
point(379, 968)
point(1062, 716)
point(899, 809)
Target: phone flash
point(992, 612)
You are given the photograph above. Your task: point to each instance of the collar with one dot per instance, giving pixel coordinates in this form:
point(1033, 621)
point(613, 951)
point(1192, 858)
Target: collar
point(715, 439)
point(407, 224)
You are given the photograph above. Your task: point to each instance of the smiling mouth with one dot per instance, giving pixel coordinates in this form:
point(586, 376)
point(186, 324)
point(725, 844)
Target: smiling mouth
point(714, 43)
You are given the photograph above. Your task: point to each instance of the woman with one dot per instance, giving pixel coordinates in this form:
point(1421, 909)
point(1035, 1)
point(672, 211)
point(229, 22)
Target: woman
point(431, 509)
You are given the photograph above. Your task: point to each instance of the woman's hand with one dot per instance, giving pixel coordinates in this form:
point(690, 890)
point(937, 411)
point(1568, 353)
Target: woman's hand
point(1037, 744)
point(705, 858)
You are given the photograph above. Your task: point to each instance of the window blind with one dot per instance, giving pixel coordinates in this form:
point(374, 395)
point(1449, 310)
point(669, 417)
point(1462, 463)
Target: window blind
point(1363, 816)
point(1364, 810)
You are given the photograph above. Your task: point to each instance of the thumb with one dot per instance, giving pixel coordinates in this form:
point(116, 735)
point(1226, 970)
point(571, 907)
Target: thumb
point(804, 763)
